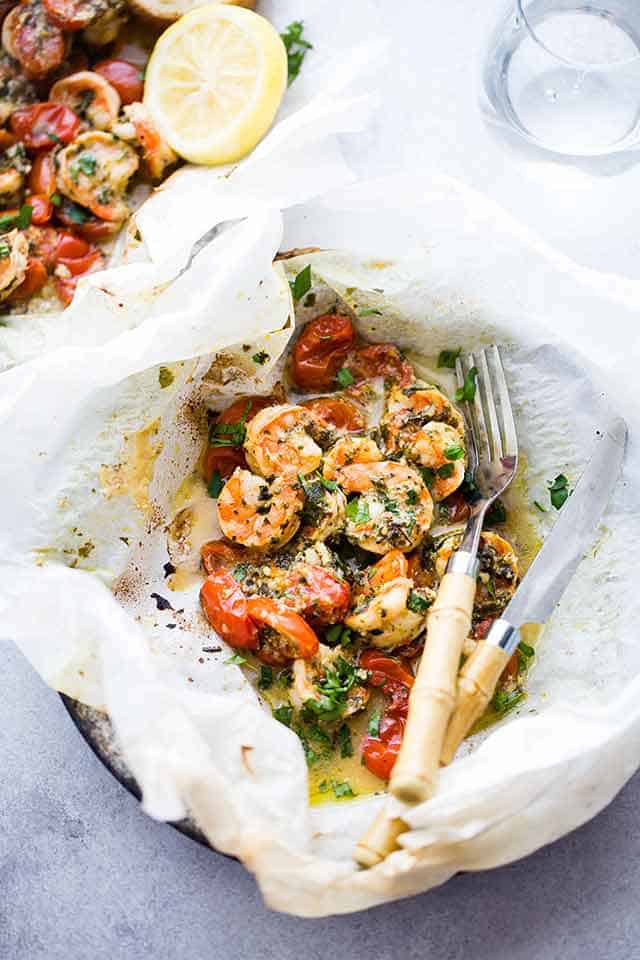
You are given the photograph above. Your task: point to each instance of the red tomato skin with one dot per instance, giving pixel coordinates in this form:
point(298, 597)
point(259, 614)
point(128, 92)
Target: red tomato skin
point(92, 228)
point(34, 280)
point(217, 553)
point(124, 77)
point(380, 360)
point(65, 288)
point(246, 407)
point(34, 125)
point(7, 139)
point(71, 246)
point(384, 669)
point(321, 350)
point(41, 208)
point(42, 177)
point(336, 413)
point(43, 243)
point(324, 597)
point(380, 753)
point(70, 15)
point(226, 609)
point(286, 622)
point(224, 460)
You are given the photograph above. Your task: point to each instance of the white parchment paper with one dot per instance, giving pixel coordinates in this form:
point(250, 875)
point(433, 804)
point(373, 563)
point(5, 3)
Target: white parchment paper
point(83, 536)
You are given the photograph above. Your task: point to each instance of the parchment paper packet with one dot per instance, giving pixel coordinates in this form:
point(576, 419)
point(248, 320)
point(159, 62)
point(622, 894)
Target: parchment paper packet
point(449, 270)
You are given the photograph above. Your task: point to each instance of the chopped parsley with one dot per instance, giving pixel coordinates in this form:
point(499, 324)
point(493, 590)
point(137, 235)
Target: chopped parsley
point(370, 312)
point(302, 283)
point(373, 727)
point(344, 377)
point(344, 741)
point(491, 590)
point(537, 504)
point(428, 475)
point(417, 603)
point(446, 471)
point(341, 789)
point(504, 700)
point(87, 163)
point(454, 452)
point(526, 650)
point(5, 249)
point(559, 491)
point(296, 47)
point(358, 511)
point(265, 680)
point(497, 513)
point(215, 485)
point(284, 714)
point(412, 497)
point(467, 392)
point(24, 216)
point(229, 434)
point(447, 358)
point(333, 690)
point(338, 634)
point(240, 572)
point(261, 357)
point(236, 660)
point(56, 199)
point(76, 213)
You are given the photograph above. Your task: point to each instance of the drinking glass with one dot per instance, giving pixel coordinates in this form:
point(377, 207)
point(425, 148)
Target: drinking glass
point(565, 75)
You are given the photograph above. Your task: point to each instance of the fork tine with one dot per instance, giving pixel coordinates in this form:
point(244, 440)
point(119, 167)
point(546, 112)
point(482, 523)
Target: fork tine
point(477, 414)
point(486, 386)
point(472, 443)
point(508, 423)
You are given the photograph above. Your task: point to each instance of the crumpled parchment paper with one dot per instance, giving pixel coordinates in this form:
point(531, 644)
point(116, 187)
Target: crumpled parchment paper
point(96, 448)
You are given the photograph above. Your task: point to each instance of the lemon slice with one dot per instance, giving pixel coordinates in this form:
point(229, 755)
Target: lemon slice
point(215, 81)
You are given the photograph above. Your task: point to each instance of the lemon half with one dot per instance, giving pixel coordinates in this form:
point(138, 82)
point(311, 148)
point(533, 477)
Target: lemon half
point(215, 81)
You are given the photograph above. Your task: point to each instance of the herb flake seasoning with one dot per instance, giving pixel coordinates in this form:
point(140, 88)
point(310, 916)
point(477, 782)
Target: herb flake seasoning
point(302, 283)
point(296, 46)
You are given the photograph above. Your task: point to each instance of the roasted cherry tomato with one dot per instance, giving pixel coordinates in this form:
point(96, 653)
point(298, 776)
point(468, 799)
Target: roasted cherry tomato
point(43, 243)
point(455, 509)
point(244, 408)
point(44, 125)
point(124, 77)
point(41, 208)
point(384, 669)
point(71, 15)
point(226, 609)
point(82, 221)
point(380, 360)
point(222, 459)
point(79, 265)
point(298, 639)
point(380, 753)
point(7, 139)
point(70, 246)
point(34, 280)
point(321, 596)
point(219, 553)
point(320, 351)
point(393, 565)
point(42, 178)
point(336, 413)
point(65, 288)
point(31, 38)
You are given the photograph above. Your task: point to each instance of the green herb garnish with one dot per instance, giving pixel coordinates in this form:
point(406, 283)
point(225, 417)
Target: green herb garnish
point(373, 727)
point(455, 452)
point(559, 491)
point(338, 634)
point(296, 47)
point(417, 603)
point(447, 358)
point(24, 216)
point(428, 475)
point(526, 650)
point(302, 283)
point(236, 660)
point(56, 199)
point(370, 312)
point(344, 377)
point(467, 392)
point(5, 249)
point(265, 680)
point(358, 511)
point(229, 434)
point(497, 512)
point(537, 504)
point(446, 471)
point(503, 700)
point(284, 714)
point(344, 741)
point(240, 572)
point(215, 485)
point(261, 357)
point(341, 789)
point(87, 163)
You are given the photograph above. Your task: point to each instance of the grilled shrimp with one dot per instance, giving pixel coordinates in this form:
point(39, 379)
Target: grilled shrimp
point(347, 451)
point(498, 576)
point(440, 449)
point(15, 90)
point(138, 129)
point(13, 167)
point(33, 39)
point(324, 513)
point(257, 513)
point(14, 255)
point(332, 418)
point(389, 612)
point(90, 96)
point(409, 409)
point(307, 672)
point(395, 508)
point(278, 442)
point(94, 171)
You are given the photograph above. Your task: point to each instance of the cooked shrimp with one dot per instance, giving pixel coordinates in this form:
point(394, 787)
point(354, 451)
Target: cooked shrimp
point(347, 451)
point(15, 90)
point(13, 167)
point(306, 673)
point(324, 513)
point(278, 442)
point(138, 128)
point(332, 418)
point(395, 508)
point(409, 409)
point(389, 612)
point(498, 577)
point(90, 96)
point(94, 171)
point(33, 39)
point(105, 27)
point(440, 449)
point(14, 255)
point(257, 513)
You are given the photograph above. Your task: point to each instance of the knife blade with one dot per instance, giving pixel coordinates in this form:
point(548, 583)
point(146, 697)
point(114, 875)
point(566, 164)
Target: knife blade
point(555, 563)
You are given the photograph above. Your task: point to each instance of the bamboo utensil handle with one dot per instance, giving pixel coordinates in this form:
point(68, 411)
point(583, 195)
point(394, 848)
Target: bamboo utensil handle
point(476, 685)
point(433, 695)
point(379, 841)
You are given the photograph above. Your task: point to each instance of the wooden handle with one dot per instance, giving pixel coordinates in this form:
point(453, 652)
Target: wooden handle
point(379, 841)
point(433, 695)
point(476, 685)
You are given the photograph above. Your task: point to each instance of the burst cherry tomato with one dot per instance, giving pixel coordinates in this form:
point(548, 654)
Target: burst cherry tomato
point(244, 408)
point(76, 254)
point(224, 460)
point(321, 596)
point(380, 360)
point(82, 221)
point(218, 553)
point(126, 78)
point(7, 139)
point(41, 208)
point(31, 38)
point(43, 244)
point(70, 246)
point(321, 350)
point(71, 15)
point(299, 640)
point(226, 609)
point(336, 413)
point(42, 178)
point(385, 669)
point(34, 280)
point(380, 753)
point(44, 125)
point(79, 265)
point(65, 288)
point(455, 508)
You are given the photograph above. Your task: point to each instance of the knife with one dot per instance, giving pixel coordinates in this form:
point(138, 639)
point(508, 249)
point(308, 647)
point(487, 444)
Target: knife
point(543, 585)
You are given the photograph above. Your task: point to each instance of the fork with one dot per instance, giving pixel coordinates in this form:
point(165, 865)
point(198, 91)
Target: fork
point(493, 458)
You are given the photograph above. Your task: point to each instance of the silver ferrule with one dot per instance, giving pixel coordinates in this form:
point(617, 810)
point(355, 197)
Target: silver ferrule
point(504, 635)
point(464, 562)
